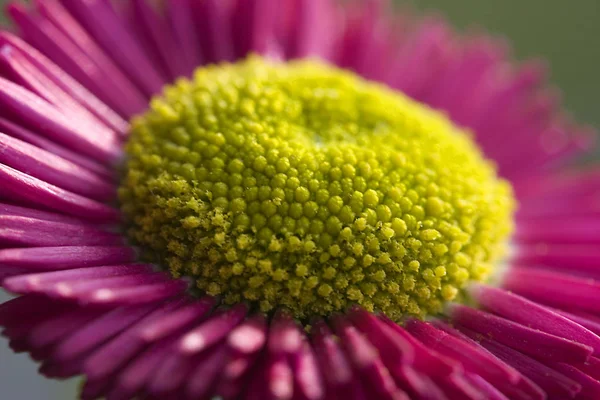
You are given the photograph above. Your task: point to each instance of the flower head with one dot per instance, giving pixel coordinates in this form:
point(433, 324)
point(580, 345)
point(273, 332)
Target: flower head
point(298, 186)
point(300, 231)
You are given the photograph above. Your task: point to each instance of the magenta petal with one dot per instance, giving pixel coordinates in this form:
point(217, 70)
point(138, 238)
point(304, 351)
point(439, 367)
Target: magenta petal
point(94, 389)
point(176, 320)
point(61, 369)
point(524, 388)
point(242, 22)
point(42, 282)
point(55, 329)
point(53, 169)
point(123, 95)
point(590, 387)
point(576, 258)
point(366, 39)
point(20, 308)
point(111, 356)
point(397, 354)
point(420, 58)
point(248, 337)
point(591, 368)
point(21, 71)
point(142, 294)
point(557, 230)
point(29, 232)
point(556, 289)
point(158, 33)
point(206, 371)
point(137, 373)
point(561, 185)
point(79, 136)
point(111, 290)
point(588, 321)
point(284, 336)
point(367, 362)
point(184, 30)
point(308, 384)
point(481, 58)
point(103, 23)
point(18, 329)
point(531, 314)
point(524, 81)
point(58, 46)
point(536, 343)
point(22, 187)
point(315, 24)
point(416, 384)
point(560, 207)
point(171, 375)
point(8, 271)
point(288, 345)
point(11, 210)
point(267, 382)
point(279, 381)
point(491, 392)
point(334, 364)
point(393, 348)
point(215, 25)
point(215, 328)
point(89, 336)
point(71, 86)
point(272, 378)
point(263, 16)
point(68, 257)
point(25, 334)
point(244, 345)
point(457, 387)
point(19, 132)
point(426, 359)
point(548, 379)
point(83, 287)
point(474, 358)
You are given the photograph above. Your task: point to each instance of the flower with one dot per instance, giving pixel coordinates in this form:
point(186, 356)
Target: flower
point(377, 285)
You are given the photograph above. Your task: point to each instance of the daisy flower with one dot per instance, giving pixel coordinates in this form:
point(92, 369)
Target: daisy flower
point(291, 199)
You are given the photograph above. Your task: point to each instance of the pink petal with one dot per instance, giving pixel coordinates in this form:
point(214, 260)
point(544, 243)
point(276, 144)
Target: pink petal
point(67, 257)
point(89, 336)
point(22, 187)
point(11, 129)
point(22, 231)
point(553, 288)
point(123, 94)
point(184, 30)
point(548, 379)
point(530, 341)
point(529, 313)
point(212, 330)
point(104, 24)
point(53, 169)
point(44, 281)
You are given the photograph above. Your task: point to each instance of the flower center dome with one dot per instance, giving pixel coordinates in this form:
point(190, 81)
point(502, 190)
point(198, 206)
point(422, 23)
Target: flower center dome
point(302, 186)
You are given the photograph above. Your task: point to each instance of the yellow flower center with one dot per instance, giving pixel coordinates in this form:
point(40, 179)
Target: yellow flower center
point(301, 186)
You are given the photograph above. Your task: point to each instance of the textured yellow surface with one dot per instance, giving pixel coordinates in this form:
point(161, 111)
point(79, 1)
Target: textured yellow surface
point(303, 186)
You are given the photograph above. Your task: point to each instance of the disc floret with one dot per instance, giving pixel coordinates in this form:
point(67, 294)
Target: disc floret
point(302, 186)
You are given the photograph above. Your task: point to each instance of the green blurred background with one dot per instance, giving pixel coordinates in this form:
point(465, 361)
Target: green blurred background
point(566, 33)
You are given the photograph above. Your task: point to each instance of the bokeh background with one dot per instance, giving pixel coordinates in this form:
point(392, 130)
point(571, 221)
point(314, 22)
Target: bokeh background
point(566, 33)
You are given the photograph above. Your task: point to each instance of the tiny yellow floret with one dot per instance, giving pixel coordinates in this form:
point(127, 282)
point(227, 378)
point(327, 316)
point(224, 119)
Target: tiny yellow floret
point(301, 186)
